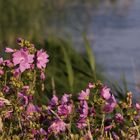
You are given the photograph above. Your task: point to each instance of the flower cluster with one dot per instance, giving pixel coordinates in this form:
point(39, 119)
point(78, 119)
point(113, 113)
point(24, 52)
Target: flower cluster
point(94, 114)
point(27, 57)
point(19, 116)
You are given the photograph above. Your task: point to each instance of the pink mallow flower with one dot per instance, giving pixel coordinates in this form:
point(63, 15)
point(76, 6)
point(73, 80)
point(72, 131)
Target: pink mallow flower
point(42, 76)
point(23, 99)
point(5, 89)
point(57, 126)
point(42, 132)
point(84, 95)
point(65, 98)
point(23, 58)
point(65, 110)
point(34, 132)
point(16, 72)
point(84, 109)
point(54, 101)
point(82, 123)
point(42, 59)
point(119, 118)
point(110, 105)
point(1, 103)
point(105, 93)
point(25, 88)
point(137, 106)
point(1, 60)
point(108, 128)
point(32, 109)
point(1, 72)
point(91, 85)
point(9, 50)
point(8, 63)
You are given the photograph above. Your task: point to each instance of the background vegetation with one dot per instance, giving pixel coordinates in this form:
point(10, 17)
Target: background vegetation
point(68, 70)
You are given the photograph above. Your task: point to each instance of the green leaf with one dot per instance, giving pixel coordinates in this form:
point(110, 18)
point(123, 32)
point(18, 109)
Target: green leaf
point(69, 68)
point(90, 55)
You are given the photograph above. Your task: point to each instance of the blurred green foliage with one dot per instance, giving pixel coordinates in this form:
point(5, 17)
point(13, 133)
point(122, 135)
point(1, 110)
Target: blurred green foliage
point(68, 71)
point(20, 18)
point(30, 18)
point(34, 19)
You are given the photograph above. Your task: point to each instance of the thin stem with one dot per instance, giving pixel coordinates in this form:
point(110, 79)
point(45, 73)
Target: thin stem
point(10, 129)
point(136, 126)
point(55, 114)
point(89, 130)
point(34, 80)
point(102, 125)
point(53, 86)
point(5, 79)
point(110, 136)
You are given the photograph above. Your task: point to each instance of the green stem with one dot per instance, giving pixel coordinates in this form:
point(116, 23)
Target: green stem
point(10, 129)
point(89, 130)
point(53, 86)
point(56, 114)
point(34, 80)
point(136, 126)
point(5, 79)
point(102, 126)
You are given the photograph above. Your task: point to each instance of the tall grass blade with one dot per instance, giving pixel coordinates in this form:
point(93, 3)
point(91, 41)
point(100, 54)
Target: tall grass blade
point(69, 69)
point(124, 83)
point(90, 55)
point(120, 94)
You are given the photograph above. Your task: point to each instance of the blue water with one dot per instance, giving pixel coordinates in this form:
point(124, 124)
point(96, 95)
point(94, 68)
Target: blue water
point(114, 32)
point(117, 43)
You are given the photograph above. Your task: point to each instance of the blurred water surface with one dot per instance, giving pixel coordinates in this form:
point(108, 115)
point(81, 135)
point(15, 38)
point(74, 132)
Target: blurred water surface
point(114, 32)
